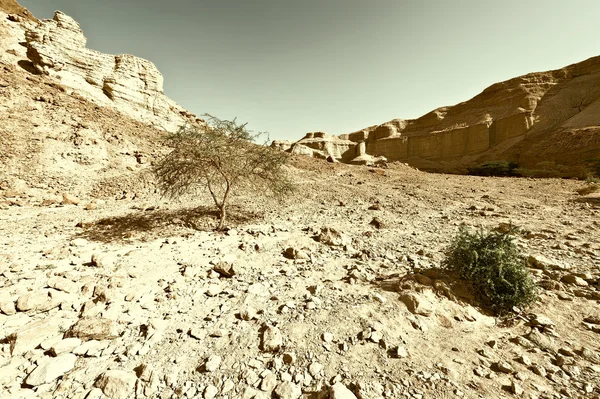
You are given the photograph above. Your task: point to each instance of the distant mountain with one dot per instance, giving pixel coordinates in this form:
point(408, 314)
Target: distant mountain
point(544, 120)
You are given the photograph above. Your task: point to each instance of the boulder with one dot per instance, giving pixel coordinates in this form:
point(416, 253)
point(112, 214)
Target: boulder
point(117, 384)
point(133, 86)
point(93, 328)
point(339, 391)
point(272, 339)
point(416, 304)
point(31, 336)
point(49, 369)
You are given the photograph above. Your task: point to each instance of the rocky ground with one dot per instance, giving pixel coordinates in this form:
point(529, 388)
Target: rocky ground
point(310, 298)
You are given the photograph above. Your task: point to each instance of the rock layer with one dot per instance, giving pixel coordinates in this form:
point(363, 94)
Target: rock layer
point(134, 86)
point(544, 117)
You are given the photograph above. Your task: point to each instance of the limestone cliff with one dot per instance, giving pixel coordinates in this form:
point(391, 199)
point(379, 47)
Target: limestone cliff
point(57, 48)
point(545, 117)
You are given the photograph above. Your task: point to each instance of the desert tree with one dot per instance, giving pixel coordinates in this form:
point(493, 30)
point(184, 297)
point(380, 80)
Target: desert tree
point(221, 156)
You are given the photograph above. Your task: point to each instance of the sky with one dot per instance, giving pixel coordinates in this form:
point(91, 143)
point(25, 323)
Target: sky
point(294, 66)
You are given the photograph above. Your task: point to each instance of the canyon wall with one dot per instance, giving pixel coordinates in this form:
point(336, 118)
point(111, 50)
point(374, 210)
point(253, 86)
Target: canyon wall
point(57, 48)
point(536, 118)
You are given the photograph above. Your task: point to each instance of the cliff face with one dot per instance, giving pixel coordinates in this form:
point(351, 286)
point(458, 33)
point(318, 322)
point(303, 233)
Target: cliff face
point(537, 118)
point(57, 48)
point(72, 119)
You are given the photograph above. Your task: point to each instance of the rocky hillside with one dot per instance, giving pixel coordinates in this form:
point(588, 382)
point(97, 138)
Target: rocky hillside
point(57, 48)
point(547, 117)
point(74, 120)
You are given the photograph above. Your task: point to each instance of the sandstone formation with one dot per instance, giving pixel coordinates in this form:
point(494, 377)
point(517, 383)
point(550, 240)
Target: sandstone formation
point(131, 85)
point(16, 10)
point(545, 117)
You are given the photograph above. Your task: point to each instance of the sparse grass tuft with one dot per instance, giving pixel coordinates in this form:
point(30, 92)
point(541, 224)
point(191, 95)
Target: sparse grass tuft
point(491, 262)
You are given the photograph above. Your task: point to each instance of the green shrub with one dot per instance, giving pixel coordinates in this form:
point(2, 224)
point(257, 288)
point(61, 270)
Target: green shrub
point(491, 262)
point(495, 168)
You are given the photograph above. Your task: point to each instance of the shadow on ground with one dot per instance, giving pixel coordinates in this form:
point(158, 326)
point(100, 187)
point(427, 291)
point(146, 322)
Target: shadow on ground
point(149, 224)
point(443, 283)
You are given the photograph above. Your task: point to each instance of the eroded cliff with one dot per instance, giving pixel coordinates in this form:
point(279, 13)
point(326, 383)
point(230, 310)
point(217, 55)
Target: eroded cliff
point(545, 117)
point(57, 48)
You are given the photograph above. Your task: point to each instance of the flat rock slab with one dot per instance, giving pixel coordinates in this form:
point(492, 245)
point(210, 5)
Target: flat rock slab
point(93, 328)
point(50, 369)
point(31, 336)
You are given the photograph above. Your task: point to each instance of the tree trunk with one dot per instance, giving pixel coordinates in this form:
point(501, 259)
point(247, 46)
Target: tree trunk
point(222, 208)
point(222, 216)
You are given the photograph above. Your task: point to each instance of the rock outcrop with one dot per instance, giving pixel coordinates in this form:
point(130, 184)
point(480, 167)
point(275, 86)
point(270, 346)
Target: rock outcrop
point(16, 10)
point(547, 117)
point(132, 85)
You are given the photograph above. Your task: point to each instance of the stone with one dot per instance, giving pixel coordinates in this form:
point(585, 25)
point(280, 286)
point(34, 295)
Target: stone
point(198, 333)
point(7, 306)
point(401, 352)
point(288, 390)
point(49, 369)
point(272, 339)
point(516, 388)
point(293, 253)
point(212, 363)
point(99, 260)
point(228, 386)
point(65, 346)
point(289, 358)
point(214, 290)
point(211, 392)
point(63, 284)
point(377, 223)
point(339, 391)
point(525, 360)
point(117, 384)
point(268, 383)
point(417, 305)
point(248, 313)
point(574, 280)
point(33, 301)
point(225, 269)
point(68, 199)
point(421, 279)
point(505, 367)
point(315, 369)
point(542, 341)
point(131, 85)
point(31, 336)
point(328, 337)
point(93, 328)
point(333, 237)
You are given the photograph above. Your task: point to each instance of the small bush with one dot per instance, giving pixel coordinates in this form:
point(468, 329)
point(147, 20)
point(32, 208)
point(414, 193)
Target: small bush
point(495, 168)
point(491, 262)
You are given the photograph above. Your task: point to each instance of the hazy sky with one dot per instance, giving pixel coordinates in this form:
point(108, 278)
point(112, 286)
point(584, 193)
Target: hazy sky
point(290, 67)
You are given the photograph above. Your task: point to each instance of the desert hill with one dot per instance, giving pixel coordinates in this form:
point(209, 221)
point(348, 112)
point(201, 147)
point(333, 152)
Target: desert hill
point(75, 120)
point(108, 291)
point(550, 118)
